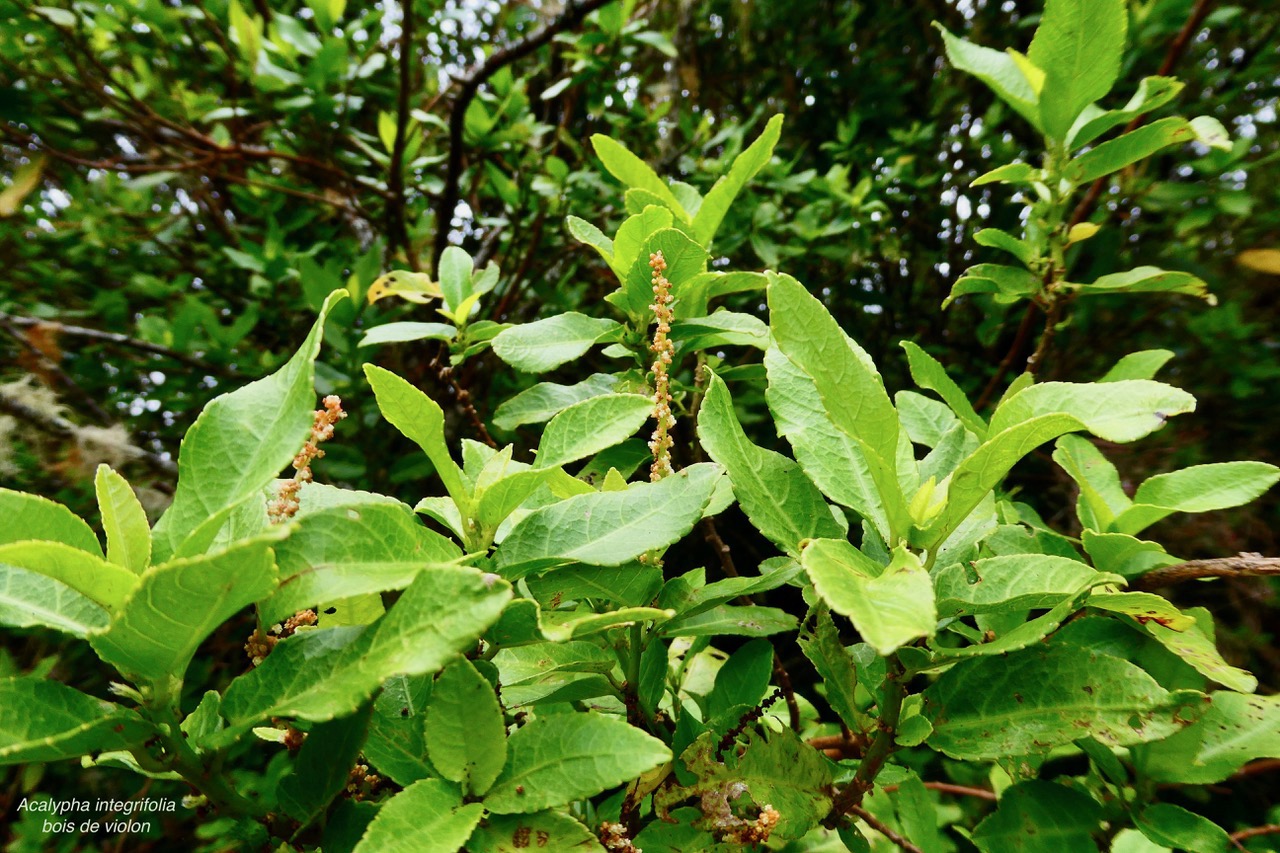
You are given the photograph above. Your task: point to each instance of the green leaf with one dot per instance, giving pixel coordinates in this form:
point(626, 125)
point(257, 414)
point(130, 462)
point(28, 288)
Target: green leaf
point(549, 831)
point(685, 260)
point(176, 605)
point(746, 621)
point(1102, 497)
point(123, 520)
point(421, 420)
point(323, 766)
point(630, 586)
point(836, 462)
point(928, 373)
point(1078, 46)
point(852, 391)
point(466, 737)
point(397, 744)
point(43, 720)
point(609, 528)
point(1195, 645)
point(1039, 816)
point(1138, 365)
point(546, 399)
point(1128, 148)
point(743, 680)
point(1032, 700)
point(557, 759)
point(33, 517)
point(775, 494)
point(1008, 284)
point(241, 441)
point(428, 809)
point(586, 428)
point(998, 70)
point(1235, 730)
point(584, 232)
point(1116, 411)
point(633, 172)
point(723, 328)
point(394, 333)
point(455, 277)
point(633, 235)
point(833, 663)
point(1148, 280)
point(996, 239)
point(889, 605)
point(1125, 555)
point(546, 344)
point(1174, 826)
point(319, 675)
point(1009, 584)
point(1152, 93)
point(720, 197)
point(83, 571)
point(1010, 173)
point(1200, 488)
point(29, 598)
point(343, 552)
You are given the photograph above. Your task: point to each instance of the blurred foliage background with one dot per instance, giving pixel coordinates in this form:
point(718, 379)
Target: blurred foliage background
point(182, 183)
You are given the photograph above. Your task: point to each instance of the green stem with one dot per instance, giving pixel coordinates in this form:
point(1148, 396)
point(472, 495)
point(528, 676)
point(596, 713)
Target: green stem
point(204, 774)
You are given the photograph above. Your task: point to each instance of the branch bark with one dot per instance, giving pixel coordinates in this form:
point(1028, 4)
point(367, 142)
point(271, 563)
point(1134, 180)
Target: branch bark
point(1243, 565)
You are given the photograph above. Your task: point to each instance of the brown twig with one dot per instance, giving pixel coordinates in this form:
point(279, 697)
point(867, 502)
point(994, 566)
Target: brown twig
point(397, 230)
point(1253, 832)
point(470, 86)
point(881, 748)
point(875, 823)
point(1019, 342)
point(1243, 565)
point(949, 788)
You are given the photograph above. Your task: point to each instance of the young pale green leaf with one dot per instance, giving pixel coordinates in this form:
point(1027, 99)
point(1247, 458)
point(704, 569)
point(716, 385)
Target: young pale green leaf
point(996, 239)
point(33, 517)
point(1102, 497)
point(685, 261)
point(177, 604)
point(421, 420)
point(1174, 826)
point(466, 737)
point(851, 390)
point(1129, 148)
point(1116, 411)
point(427, 809)
point(926, 420)
point(1030, 701)
point(43, 720)
point(726, 189)
point(998, 70)
point(836, 462)
point(29, 598)
point(1148, 280)
point(772, 490)
point(547, 399)
point(241, 441)
point(634, 172)
point(983, 470)
point(723, 328)
point(1138, 365)
point(1039, 815)
point(1078, 46)
point(634, 234)
point(546, 344)
point(1152, 93)
point(584, 232)
point(343, 552)
point(455, 277)
point(319, 675)
point(107, 584)
point(394, 333)
point(1007, 284)
point(1195, 645)
point(323, 766)
point(927, 372)
point(123, 520)
point(1200, 488)
point(1009, 584)
point(1010, 173)
point(889, 605)
point(565, 757)
point(1235, 730)
point(1125, 555)
point(557, 832)
point(609, 528)
point(588, 427)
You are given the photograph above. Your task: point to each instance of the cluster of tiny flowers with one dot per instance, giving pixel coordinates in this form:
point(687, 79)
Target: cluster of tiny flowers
point(662, 349)
point(361, 783)
point(261, 642)
point(285, 504)
point(614, 837)
point(727, 826)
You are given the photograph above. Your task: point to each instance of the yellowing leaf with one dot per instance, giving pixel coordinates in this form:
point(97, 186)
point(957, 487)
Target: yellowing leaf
point(1034, 75)
point(25, 180)
point(1082, 231)
point(413, 286)
point(1262, 260)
